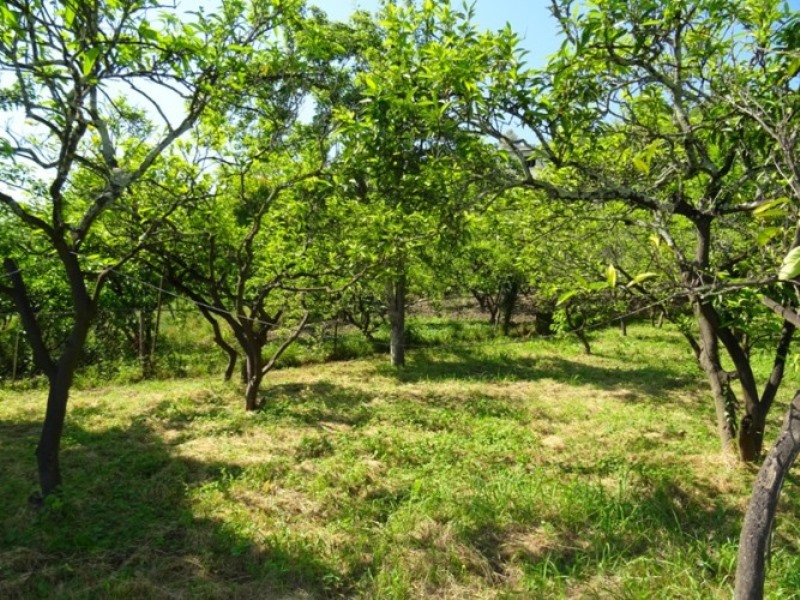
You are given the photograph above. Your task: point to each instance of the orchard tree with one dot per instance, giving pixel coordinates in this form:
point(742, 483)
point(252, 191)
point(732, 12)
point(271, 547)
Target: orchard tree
point(627, 112)
point(405, 150)
point(66, 69)
point(765, 89)
point(240, 255)
point(257, 248)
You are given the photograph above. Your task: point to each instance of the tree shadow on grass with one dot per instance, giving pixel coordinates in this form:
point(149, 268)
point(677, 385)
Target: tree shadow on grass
point(317, 404)
point(126, 526)
point(602, 526)
point(462, 365)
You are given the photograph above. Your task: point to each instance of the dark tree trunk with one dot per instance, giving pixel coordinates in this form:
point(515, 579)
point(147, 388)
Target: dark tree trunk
point(48, 448)
point(724, 399)
point(396, 292)
point(758, 521)
point(254, 377)
point(751, 435)
point(543, 322)
point(623, 327)
point(587, 349)
point(751, 430)
point(219, 340)
point(60, 373)
point(231, 366)
point(47, 451)
point(577, 329)
point(145, 343)
point(508, 304)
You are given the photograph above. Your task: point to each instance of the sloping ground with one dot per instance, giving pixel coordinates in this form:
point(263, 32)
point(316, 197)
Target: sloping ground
point(514, 470)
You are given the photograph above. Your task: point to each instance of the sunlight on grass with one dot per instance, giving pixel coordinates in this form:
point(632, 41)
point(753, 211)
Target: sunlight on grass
point(524, 470)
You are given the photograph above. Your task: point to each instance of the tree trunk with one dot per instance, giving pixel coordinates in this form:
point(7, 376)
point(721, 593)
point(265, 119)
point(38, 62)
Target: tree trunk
point(15, 360)
point(623, 327)
point(587, 349)
point(758, 521)
point(577, 329)
point(254, 376)
point(231, 366)
point(708, 324)
point(60, 373)
point(219, 340)
point(508, 304)
point(145, 343)
point(47, 451)
point(751, 435)
point(396, 291)
point(720, 387)
point(751, 430)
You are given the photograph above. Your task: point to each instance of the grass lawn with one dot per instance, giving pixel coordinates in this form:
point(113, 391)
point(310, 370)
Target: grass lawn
point(523, 470)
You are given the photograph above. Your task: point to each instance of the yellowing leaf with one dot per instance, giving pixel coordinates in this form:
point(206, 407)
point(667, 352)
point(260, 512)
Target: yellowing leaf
point(611, 276)
point(766, 235)
point(640, 278)
point(563, 298)
point(641, 165)
point(790, 268)
point(773, 208)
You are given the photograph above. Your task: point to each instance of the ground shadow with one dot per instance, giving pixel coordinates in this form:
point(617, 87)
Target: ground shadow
point(604, 524)
point(648, 382)
point(124, 527)
point(317, 404)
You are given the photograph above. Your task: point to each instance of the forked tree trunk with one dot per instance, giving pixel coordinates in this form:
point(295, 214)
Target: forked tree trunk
point(59, 373)
point(48, 449)
point(751, 431)
point(219, 340)
point(758, 521)
point(396, 292)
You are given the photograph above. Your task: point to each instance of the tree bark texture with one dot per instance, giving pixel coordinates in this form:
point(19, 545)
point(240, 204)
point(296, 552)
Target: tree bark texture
point(396, 292)
point(760, 516)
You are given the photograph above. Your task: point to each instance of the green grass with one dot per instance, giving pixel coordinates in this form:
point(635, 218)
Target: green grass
point(523, 470)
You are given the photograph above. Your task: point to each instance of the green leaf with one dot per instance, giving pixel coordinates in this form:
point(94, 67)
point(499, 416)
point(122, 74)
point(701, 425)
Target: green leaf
point(146, 32)
point(766, 235)
point(790, 268)
point(69, 15)
point(640, 278)
point(641, 165)
point(89, 58)
point(794, 69)
point(563, 298)
point(8, 18)
point(771, 209)
point(611, 276)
